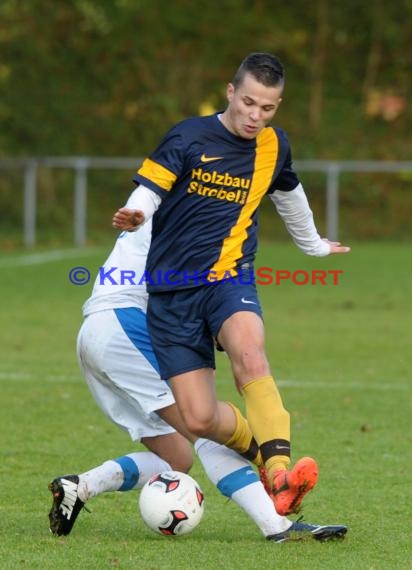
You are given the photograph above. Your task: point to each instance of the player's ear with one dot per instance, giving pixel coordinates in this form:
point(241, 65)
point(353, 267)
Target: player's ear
point(230, 91)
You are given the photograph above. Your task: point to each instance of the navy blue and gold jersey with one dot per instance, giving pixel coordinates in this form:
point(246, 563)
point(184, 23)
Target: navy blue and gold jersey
point(211, 182)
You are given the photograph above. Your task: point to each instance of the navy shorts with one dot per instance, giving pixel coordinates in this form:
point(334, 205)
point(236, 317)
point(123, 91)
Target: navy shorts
point(183, 324)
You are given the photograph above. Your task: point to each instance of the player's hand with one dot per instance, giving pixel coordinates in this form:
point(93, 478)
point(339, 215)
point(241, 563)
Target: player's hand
point(336, 247)
point(127, 219)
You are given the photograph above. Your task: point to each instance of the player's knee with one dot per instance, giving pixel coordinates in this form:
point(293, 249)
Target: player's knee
point(201, 426)
point(250, 365)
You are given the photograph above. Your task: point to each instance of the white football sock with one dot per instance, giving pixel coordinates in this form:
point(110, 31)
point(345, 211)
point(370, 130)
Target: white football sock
point(235, 478)
point(131, 471)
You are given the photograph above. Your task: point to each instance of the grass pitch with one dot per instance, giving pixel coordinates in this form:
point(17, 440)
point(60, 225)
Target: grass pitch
point(342, 358)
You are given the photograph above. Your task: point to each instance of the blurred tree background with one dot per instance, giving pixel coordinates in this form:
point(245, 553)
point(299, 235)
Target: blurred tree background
point(109, 77)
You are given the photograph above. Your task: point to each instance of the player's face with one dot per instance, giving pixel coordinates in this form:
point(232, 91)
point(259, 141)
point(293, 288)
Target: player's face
point(252, 106)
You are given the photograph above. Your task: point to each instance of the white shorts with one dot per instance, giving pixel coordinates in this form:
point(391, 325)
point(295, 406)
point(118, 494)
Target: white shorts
point(118, 363)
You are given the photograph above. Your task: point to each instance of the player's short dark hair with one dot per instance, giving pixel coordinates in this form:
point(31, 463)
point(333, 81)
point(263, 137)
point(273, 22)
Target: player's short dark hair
point(264, 67)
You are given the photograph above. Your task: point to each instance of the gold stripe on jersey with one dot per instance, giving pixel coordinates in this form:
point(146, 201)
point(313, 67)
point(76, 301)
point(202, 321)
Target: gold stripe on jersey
point(267, 147)
point(157, 174)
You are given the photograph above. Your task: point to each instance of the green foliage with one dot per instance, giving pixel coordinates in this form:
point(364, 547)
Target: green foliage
point(109, 77)
point(341, 356)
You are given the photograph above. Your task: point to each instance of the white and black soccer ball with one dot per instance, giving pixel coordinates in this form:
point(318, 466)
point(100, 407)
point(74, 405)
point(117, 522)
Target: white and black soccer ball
point(171, 503)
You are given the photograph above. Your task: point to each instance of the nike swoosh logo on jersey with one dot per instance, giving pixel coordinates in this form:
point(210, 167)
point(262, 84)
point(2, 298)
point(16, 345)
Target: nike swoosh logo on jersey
point(205, 158)
point(248, 302)
point(281, 447)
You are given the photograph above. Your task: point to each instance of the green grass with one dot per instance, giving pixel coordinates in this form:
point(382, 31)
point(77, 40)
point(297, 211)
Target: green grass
point(342, 358)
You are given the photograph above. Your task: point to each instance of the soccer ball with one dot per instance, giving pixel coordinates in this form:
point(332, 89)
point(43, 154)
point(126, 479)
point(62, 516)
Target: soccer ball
point(171, 503)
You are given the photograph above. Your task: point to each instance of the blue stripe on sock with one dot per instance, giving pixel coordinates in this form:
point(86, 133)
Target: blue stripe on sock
point(237, 480)
point(131, 472)
point(133, 322)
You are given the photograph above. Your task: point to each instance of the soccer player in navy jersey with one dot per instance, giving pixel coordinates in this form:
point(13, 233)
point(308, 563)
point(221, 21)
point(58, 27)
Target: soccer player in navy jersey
point(118, 364)
point(203, 185)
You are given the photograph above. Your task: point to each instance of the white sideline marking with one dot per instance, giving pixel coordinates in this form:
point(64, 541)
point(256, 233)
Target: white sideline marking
point(27, 376)
point(47, 257)
point(341, 385)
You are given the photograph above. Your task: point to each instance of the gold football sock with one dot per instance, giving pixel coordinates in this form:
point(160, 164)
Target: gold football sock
point(269, 422)
point(242, 439)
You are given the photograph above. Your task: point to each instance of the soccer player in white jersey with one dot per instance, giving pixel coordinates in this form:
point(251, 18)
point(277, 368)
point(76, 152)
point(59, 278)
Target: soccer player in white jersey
point(118, 363)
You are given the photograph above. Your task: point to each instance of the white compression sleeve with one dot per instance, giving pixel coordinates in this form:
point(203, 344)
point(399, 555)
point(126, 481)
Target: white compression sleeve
point(293, 207)
point(144, 199)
